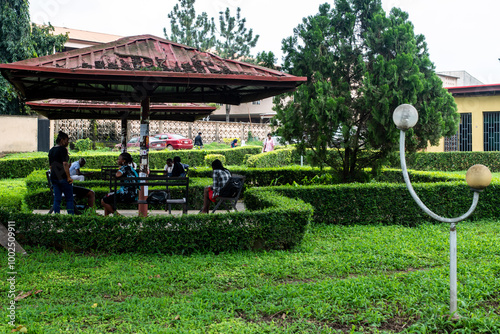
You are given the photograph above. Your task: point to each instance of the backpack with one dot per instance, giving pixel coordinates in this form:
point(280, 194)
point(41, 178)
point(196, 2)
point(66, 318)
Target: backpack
point(231, 188)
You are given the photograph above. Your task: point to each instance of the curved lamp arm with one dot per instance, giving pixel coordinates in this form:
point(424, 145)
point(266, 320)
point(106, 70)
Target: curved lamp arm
point(414, 195)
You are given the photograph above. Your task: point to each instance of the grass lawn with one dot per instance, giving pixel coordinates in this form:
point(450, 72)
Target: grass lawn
point(358, 279)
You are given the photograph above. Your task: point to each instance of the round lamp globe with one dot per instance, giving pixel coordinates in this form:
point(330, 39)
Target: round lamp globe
point(478, 177)
point(405, 116)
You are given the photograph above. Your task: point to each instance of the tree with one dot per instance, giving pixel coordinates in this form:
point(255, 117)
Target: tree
point(19, 41)
point(189, 29)
point(234, 41)
point(360, 64)
point(266, 59)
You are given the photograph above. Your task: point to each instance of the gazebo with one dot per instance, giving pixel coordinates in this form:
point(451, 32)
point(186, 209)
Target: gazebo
point(145, 69)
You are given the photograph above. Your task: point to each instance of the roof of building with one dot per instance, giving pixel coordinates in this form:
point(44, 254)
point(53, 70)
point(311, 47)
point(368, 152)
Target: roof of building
point(492, 89)
point(132, 68)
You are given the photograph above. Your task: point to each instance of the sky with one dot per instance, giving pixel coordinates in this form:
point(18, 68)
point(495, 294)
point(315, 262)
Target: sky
point(460, 34)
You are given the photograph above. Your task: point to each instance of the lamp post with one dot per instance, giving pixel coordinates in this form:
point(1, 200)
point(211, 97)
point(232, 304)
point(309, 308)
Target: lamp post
point(478, 177)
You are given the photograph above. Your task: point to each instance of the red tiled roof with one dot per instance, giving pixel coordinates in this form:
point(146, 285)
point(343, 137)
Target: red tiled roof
point(491, 89)
point(132, 68)
point(76, 109)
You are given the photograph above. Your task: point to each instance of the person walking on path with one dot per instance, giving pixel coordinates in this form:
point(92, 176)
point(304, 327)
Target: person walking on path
point(198, 141)
point(268, 144)
point(59, 174)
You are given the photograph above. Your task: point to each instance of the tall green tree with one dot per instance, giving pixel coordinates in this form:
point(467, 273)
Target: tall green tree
point(360, 64)
point(19, 40)
point(230, 38)
point(234, 41)
point(189, 29)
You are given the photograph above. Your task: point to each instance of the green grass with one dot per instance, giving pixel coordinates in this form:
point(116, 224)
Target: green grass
point(358, 279)
point(12, 192)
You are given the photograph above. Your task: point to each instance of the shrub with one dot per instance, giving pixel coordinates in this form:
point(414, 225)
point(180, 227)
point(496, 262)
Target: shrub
point(82, 145)
point(280, 224)
point(282, 157)
point(347, 204)
point(17, 167)
point(452, 161)
point(209, 158)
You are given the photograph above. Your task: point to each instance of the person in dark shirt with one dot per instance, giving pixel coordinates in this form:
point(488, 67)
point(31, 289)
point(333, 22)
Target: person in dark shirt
point(59, 174)
point(220, 177)
point(198, 141)
point(180, 169)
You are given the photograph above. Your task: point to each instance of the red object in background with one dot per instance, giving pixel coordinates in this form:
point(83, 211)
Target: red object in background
point(175, 142)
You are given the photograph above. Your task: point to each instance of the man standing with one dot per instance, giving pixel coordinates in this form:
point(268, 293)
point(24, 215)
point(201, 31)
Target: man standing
point(59, 173)
point(198, 141)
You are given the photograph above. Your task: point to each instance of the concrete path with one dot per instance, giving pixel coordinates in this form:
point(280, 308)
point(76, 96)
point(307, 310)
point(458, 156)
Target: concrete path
point(131, 213)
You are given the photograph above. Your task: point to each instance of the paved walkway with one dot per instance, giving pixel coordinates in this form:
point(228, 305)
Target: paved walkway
point(131, 213)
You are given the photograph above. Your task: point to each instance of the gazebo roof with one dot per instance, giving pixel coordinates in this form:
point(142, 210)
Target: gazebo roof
point(76, 109)
point(132, 68)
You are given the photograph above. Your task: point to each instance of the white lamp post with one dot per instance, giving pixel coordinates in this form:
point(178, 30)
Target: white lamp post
point(478, 177)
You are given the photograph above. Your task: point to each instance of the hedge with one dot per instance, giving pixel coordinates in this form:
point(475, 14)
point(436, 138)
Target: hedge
point(452, 161)
point(263, 177)
point(386, 203)
point(21, 167)
point(280, 224)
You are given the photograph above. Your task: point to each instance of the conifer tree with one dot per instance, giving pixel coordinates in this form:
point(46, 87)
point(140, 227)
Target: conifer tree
point(360, 64)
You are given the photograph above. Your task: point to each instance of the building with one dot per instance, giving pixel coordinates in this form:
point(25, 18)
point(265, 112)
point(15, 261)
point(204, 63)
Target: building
point(458, 78)
point(479, 129)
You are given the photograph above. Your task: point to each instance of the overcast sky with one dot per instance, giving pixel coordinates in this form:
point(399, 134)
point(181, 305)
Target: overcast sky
point(460, 33)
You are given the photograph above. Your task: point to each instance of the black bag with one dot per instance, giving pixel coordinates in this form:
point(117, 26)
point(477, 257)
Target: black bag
point(158, 197)
point(231, 188)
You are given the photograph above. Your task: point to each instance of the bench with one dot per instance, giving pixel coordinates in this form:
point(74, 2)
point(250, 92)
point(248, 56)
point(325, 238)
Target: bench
point(160, 183)
point(234, 199)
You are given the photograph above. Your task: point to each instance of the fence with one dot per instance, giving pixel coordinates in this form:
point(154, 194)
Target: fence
point(109, 130)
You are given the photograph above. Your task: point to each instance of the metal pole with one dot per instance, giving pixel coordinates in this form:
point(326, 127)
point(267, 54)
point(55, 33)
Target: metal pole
point(124, 135)
point(453, 270)
point(144, 167)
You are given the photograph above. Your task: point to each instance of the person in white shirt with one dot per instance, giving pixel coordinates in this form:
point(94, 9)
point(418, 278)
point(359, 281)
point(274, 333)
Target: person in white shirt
point(74, 170)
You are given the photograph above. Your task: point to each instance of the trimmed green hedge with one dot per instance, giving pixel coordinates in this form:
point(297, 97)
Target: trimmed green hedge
point(452, 161)
point(387, 203)
point(21, 167)
point(280, 224)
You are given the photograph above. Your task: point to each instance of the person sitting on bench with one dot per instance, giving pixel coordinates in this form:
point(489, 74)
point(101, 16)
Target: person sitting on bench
point(126, 193)
point(179, 169)
point(220, 176)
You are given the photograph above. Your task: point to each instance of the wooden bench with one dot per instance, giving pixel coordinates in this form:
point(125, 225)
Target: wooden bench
point(160, 183)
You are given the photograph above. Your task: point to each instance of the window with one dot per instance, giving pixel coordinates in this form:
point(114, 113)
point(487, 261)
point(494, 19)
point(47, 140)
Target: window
point(256, 102)
point(491, 131)
point(465, 132)
point(462, 141)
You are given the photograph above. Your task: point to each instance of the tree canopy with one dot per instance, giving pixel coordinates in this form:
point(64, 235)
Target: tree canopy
point(360, 64)
point(189, 29)
point(19, 40)
point(230, 38)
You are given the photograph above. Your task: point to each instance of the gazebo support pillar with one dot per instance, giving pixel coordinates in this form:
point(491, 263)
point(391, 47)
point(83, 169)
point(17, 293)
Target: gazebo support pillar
point(144, 167)
point(124, 135)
